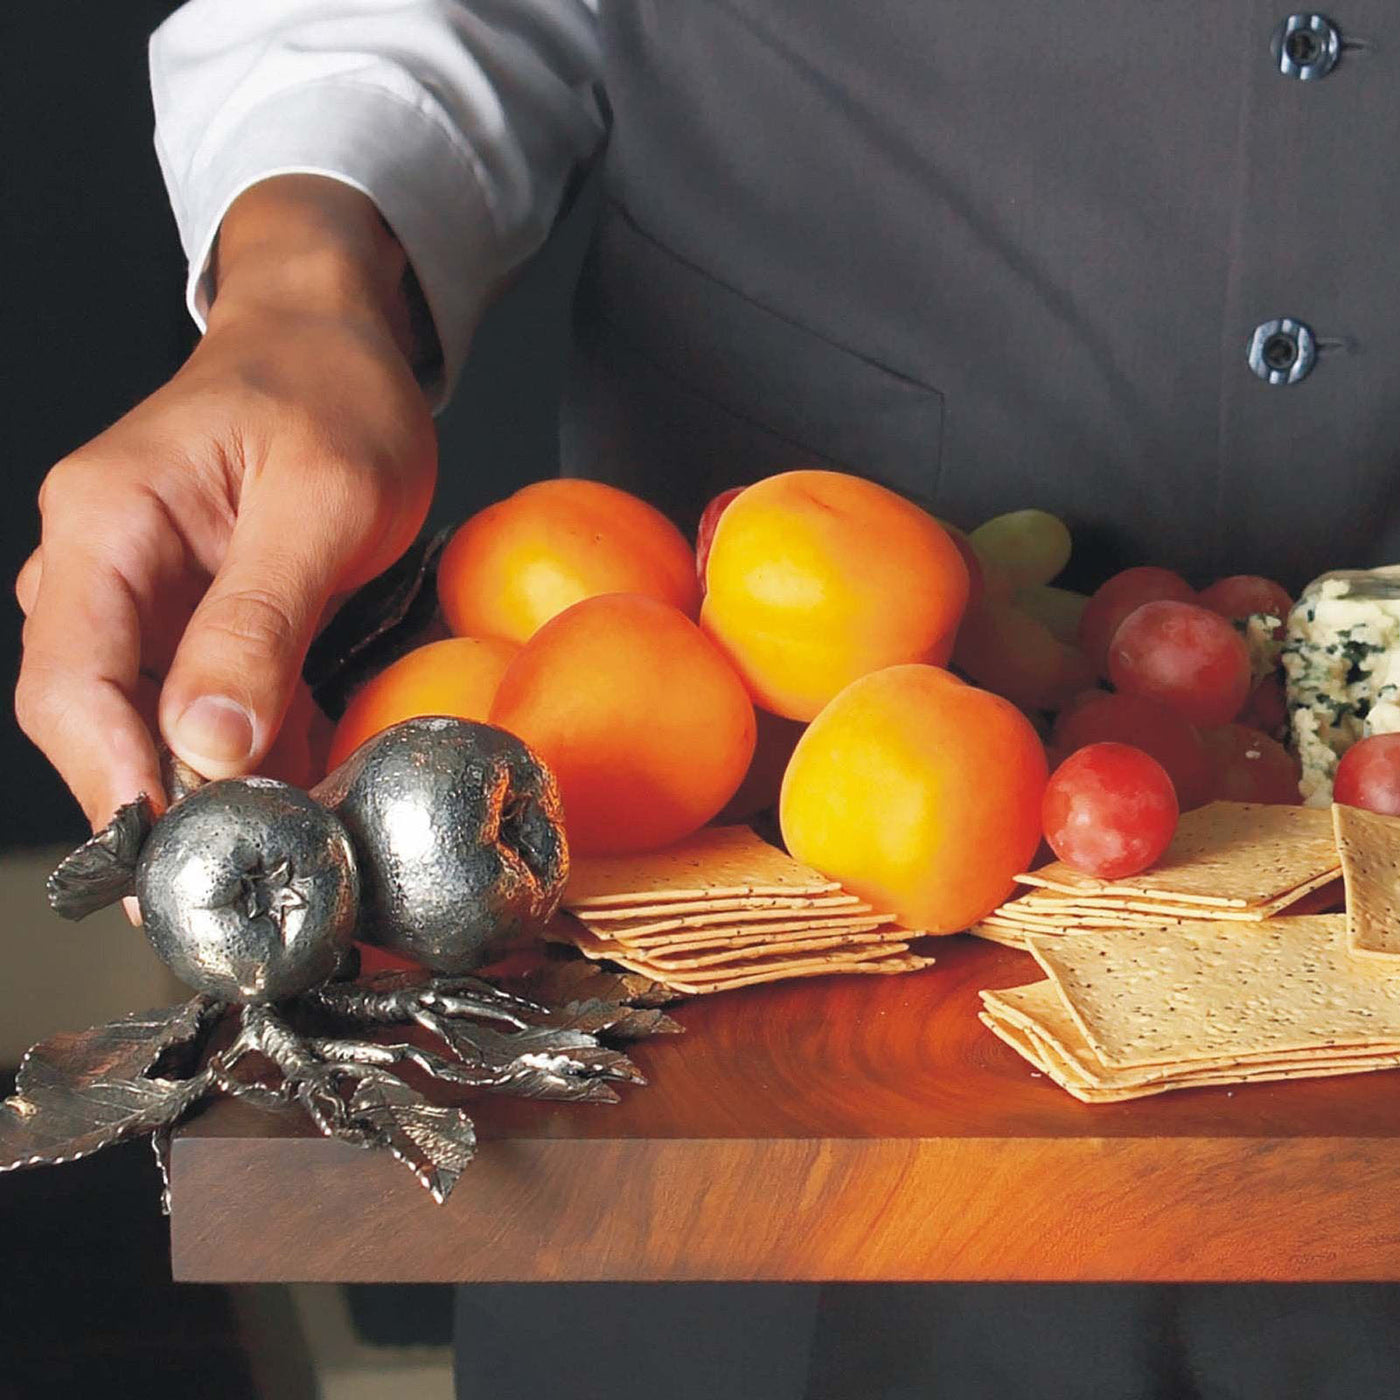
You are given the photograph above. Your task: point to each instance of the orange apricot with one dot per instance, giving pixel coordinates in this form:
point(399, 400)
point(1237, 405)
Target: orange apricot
point(518, 563)
point(457, 676)
point(920, 793)
point(815, 578)
point(644, 723)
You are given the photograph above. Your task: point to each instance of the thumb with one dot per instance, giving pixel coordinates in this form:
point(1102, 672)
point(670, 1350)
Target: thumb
point(238, 662)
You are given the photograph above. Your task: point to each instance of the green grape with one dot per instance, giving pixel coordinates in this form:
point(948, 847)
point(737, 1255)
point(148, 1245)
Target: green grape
point(1055, 608)
point(1032, 546)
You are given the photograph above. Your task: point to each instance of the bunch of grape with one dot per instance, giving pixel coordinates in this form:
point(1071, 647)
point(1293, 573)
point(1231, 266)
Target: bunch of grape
point(1185, 723)
point(1190, 716)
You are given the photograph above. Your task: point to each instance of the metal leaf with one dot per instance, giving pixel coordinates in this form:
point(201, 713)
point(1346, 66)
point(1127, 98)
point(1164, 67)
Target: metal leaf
point(124, 1049)
point(376, 625)
point(79, 1092)
point(540, 1063)
point(553, 1078)
point(102, 870)
point(480, 990)
point(576, 979)
point(595, 1017)
point(435, 1143)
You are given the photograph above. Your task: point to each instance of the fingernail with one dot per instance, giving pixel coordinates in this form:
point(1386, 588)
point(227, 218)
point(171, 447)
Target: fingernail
point(213, 731)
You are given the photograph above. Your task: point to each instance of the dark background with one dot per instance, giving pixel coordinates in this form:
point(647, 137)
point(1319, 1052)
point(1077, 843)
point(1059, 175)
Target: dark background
point(94, 317)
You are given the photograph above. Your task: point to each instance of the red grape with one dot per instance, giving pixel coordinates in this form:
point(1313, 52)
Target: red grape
point(1248, 766)
point(1098, 716)
point(1109, 810)
point(1369, 775)
point(1122, 594)
point(1084, 697)
point(1187, 657)
point(1267, 706)
point(1241, 595)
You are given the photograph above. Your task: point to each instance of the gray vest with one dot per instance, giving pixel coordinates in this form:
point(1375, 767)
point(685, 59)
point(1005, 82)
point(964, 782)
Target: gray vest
point(1000, 254)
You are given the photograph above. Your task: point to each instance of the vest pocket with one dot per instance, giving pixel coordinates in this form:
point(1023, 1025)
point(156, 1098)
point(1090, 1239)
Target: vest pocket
point(682, 386)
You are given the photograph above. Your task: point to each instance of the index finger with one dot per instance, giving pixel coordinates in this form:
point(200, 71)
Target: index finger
point(78, 678)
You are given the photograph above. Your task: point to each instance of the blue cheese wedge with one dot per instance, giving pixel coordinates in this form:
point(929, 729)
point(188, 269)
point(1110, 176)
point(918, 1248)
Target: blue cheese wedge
point(1264, 648)
point(1341, 662)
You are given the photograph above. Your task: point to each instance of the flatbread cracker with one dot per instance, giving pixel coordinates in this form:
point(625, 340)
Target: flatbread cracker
point(753, 946)
point(631, 930)
point(1054, 1070)
point(768, 959)
point(1055, 1066)
point(1039, 1013)
point(1017, 1038)
point(1000, 933)
point(1212, 989)
point(1088, 918)
point(1034, 1022)
point(716, 861)
point(885, 966)
point(1011, 922)
point(763, 964)
point(674, 960)
point(1369, 846)
point(730, 935)
point(1139, 907)
point(1227, 854)
point(1326, 1069)
point(732, 904)
point(739, 937)
point(759, 960)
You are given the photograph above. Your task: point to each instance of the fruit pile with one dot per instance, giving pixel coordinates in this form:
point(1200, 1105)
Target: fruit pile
point(899, 690)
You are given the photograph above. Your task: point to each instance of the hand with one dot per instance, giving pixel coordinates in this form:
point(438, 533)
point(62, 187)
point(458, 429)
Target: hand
point(188, 553)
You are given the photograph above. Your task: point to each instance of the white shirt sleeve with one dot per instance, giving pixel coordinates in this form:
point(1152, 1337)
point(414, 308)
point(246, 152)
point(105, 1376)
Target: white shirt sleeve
point(461, 119)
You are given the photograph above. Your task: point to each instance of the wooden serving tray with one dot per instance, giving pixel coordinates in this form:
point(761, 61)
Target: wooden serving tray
point(855, 1128)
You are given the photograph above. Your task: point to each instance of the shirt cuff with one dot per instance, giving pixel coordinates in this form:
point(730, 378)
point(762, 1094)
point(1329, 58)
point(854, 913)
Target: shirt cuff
point(421, 177)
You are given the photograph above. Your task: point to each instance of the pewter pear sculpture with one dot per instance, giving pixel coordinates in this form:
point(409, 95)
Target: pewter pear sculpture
point(440, 839)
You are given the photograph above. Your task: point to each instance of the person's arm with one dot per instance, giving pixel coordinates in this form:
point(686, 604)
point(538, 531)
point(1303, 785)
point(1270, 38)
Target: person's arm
point(316, 151)
point(461, 119)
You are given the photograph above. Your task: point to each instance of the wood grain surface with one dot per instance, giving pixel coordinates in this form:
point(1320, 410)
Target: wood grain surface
point(831, 1129)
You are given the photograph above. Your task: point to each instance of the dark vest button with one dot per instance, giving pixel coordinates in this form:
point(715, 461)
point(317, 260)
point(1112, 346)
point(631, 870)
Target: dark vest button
point(1306, 46)
point(1282, 351)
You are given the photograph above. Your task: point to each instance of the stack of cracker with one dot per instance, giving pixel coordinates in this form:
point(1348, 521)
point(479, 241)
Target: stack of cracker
point(1224, 998)
point(1229, 861)
point(724, 909)
point(1136, 1011)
